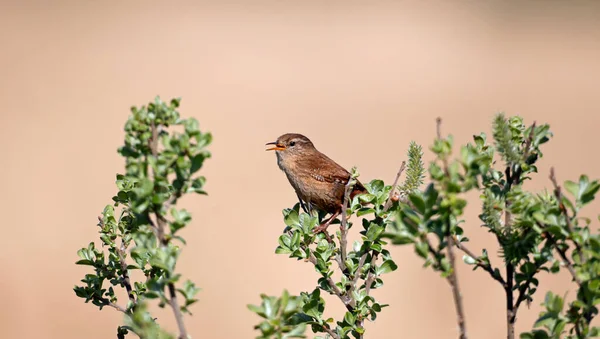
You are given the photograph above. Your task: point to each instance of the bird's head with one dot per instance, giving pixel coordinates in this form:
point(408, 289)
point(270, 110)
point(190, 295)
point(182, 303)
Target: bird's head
point(291, 145)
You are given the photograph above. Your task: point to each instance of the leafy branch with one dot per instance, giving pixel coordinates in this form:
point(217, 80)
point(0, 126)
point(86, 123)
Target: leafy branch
point(529, 227)
point(361, 265)
point(161, 167)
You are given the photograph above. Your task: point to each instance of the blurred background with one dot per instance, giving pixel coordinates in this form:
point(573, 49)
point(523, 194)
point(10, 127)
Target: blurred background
point(361, 79)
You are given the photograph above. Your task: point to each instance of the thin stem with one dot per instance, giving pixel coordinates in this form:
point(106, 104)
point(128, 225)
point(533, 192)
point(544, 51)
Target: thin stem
point(438, 129)
point(563, 210)
point(117, 307)
point(177, 310)
point(481, 263)
point(368, 282)
point(523, 289)
point(371, 276)
point(458, 303)
point(510, 313)
point(330, 332)
point(344, 227)
point(450, 243)
point(161, 225)
point(361, 263)
point(388, 203)
point(348, 302)
point(125, 278)
point(510, 269)
point(563, 255)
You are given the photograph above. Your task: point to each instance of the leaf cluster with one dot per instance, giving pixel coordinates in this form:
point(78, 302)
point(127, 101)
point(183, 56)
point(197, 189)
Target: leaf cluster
point(138, 231)
point(535, 231)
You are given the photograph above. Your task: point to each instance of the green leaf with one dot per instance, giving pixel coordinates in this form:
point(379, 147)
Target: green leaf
point(469, 260)
point(418, 202)
point(364, 211)
point(374, 231)
point(349, 318)
point(145, 188)
point(197, 162)
point(572, 188)
point(422, 249)
point(386, 267)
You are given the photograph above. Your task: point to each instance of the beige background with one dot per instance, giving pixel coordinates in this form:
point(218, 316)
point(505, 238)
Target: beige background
point(361, 79)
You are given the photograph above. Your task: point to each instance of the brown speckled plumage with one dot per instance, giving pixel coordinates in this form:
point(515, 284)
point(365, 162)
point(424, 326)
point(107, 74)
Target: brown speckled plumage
point(318, 181)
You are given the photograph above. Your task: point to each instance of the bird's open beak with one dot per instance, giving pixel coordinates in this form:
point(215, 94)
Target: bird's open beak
point(277, 147)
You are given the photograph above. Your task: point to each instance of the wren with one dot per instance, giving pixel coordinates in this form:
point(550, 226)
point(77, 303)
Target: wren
point(319, 182)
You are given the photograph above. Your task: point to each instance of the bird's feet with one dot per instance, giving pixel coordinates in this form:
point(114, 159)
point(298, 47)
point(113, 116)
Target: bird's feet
point(323, 229)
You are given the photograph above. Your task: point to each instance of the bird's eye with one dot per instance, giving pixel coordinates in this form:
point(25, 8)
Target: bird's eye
point(292, 143)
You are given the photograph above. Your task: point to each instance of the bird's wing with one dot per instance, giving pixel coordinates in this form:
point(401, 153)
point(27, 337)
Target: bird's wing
point(333, 173)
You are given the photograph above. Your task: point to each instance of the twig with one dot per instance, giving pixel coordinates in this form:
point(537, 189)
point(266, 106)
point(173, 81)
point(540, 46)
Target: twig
point(348, 302)
point(510, 311)
point(453, 280)
point(563, 255)
point(588, 316)
point(125, 275)
point(344, 227)
point(330, 332)
point(117, 307)
point(510, 268)
point(371, 276)
point(514, 178)
point(361, 263)
point(518, 171)
point(563, 210)
point(523, 289)
point(438, 129)
point(388, 203)
point(160, 226)
point(125, 278)
point(481, 263)
point(450, 243)
point(368, 282)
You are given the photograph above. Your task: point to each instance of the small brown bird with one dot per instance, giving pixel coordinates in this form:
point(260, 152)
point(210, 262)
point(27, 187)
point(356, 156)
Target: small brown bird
point(318, 181)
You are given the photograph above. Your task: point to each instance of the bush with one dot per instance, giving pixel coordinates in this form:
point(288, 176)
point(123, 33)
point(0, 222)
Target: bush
point(140, 230)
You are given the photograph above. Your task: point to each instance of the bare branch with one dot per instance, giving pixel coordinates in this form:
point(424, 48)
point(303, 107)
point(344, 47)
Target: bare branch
point(438, 127)
point(344, 227)
point(388, 203)
point(453, 280)
point(480, 263)
point(117, 307)
point(330, 332)
point(563, 255)
point(510, 309)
